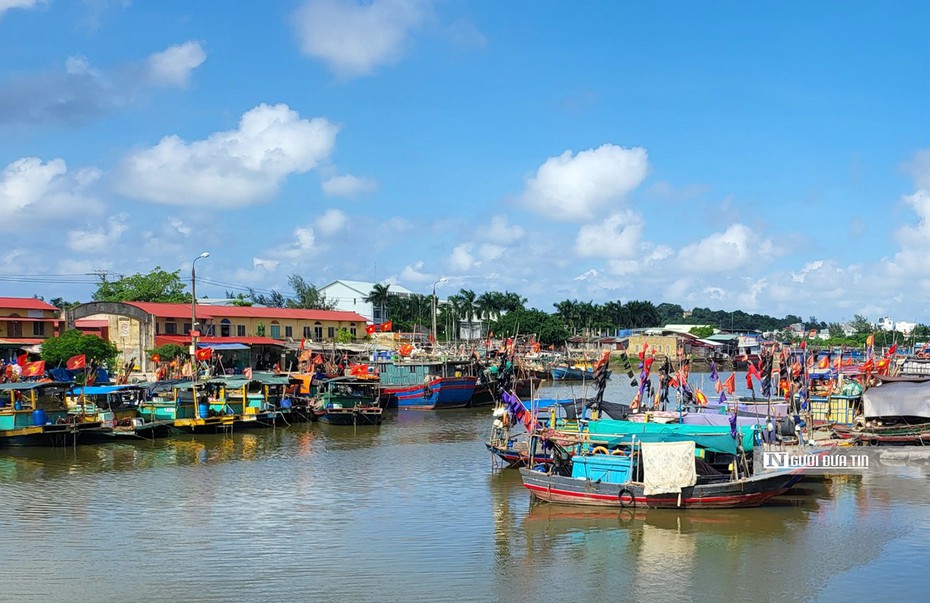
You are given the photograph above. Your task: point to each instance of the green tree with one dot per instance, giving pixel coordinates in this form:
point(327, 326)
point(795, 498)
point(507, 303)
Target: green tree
point(168, 352)
point(156, 286)
point(306, 295)
point(702, 332)
point(549, 329)
point(57, 350)
point(861, 324)
point(379, 296)
point(239, 299)
point(344, 336)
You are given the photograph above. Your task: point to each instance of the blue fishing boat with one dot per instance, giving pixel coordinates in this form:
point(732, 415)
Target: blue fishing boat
point(34, 413)
point(625, 464)
point(426, 385)
point(116, 407)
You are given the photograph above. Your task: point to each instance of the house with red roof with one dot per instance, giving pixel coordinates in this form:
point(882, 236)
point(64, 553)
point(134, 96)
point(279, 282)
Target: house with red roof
point(25, 322)
point(253, 336)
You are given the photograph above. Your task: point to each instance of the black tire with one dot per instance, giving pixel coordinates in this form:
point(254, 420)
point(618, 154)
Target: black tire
point(626, 504)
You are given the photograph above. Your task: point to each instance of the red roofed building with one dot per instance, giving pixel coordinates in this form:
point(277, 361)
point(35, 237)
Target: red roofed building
point(26, 321)
point(136, 327)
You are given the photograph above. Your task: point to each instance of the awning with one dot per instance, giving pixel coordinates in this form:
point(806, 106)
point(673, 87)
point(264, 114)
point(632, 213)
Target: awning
point(223, 346)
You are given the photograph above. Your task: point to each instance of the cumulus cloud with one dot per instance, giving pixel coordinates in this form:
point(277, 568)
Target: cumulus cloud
point(354, 38)
point(574, 187)
point(616, 237)
point(501, 230)
point(461, 258)
point(331, 222)
point(414, 273)
point(80, 92)
point(234, 168)
point(6, 5)
point(34, 194)
point(173, 66)
point(99, 239)
point(348, 186)
point(736, 247)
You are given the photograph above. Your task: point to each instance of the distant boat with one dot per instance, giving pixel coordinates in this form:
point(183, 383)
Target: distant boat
point(564, 372)
point(426, 385)
point(348, 401)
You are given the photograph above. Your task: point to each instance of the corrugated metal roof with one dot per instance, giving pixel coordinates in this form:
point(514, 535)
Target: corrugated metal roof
point(219, 312)
point(25, 303)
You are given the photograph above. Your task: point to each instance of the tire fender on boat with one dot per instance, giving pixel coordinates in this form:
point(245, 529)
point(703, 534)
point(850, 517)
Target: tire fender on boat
point(600, 450)
point(626, 502)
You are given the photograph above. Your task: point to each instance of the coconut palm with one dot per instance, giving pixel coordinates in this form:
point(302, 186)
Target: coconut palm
point(379, 297)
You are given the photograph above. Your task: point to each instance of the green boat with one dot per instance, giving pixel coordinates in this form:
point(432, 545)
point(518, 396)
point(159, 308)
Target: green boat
point(34, 413)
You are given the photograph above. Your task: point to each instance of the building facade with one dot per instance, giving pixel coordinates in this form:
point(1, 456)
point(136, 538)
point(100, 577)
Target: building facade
point(25, 322)
point(349, 296)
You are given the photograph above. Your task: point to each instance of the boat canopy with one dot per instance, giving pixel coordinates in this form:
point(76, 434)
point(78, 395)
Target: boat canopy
point(709, 437)
point(897, 399)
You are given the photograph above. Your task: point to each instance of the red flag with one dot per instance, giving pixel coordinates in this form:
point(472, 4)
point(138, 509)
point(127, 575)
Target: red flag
point(22, 359)
point(803, 345)
point(247, 372)
point(700, 397)
point(317, 359)
point(203, 354)
point(34, 369)
point(303, 344)
point(893, 349)
point(370, 329)
point(718, 386)
point(156, 358)
point(753, 371)
point(76, 362)
point(730, 383)
point(824, 362)
point(749, 380)
point(387, 326)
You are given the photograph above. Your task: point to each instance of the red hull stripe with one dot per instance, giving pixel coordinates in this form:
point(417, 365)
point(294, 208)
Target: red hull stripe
point(653, 499)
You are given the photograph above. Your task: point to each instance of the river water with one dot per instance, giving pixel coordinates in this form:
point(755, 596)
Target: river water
point(414, 511)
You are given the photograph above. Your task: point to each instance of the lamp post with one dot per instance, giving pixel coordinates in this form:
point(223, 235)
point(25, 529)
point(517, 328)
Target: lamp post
point(441, 280)
point(194, 332)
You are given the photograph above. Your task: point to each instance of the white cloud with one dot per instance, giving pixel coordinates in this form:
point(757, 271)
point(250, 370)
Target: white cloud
point(173, 66)
point(490, 252)
point(331, 222)
point(588, 275)
point(502, 231)
point(269, 265)
point(234, 168)
point(461, 258)
point(616, 237)
point(6, 5)
point(348, 186)
point(413, 273)
point(34, 194)
point(736, 247)
point(354, 38)
point(100, 239)
point(574, 187)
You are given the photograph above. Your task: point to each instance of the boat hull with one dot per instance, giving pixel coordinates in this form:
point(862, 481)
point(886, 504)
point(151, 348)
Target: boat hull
point(514, 457)
point(442, 393)
point(350, 416)
point(749, 492)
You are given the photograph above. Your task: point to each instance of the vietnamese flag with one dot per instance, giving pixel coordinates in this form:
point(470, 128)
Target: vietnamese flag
point(76, 362)
point(893, 349)
point(730, 384)
point(156, 358)
point(387, 326)
point(203, 354)
point(34, 369)
point(824, 362)
point(370, 329)
point(22, 360)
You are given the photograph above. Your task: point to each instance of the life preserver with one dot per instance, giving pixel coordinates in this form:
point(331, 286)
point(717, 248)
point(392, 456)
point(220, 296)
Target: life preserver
point(600, 450)
point(625, 498)
point(618, 452)
point(922, 355)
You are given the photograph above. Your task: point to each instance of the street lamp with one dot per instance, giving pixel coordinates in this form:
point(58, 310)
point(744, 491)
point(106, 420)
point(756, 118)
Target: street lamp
point(194, 333)
point(441, 280)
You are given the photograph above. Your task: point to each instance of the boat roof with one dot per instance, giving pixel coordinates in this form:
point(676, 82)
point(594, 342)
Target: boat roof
point(96, 390)
point(27, 385)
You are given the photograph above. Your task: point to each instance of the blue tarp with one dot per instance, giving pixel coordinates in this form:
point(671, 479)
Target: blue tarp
point(223, 346)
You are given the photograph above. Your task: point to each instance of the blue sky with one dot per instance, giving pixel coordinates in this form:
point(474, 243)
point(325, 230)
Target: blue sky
point(766, 157)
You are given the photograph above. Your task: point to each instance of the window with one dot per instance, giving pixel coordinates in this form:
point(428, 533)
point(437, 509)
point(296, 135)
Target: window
point(224, 327)
point(187, 328)
point(275, 330)
point(306, 332)
point(352, 329)
point(38, 329)
point(157, 328)
point(288, 331)
point(209, 330)
point(240, 330)
point(318, 331)
point(331, 332)
point(171, 327)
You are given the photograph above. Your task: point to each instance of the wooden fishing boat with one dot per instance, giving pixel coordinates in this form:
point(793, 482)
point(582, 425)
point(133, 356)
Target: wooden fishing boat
point(896, 411)
point(348, 401)
point(426, 385)
point(34, 413)
point(174, 402)
point(116, 408)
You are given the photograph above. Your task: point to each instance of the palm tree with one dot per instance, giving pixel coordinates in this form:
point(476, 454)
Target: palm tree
point(512, 302)
point(379, 296)
point(568, 310)
point(453, 310)
point(468, 307)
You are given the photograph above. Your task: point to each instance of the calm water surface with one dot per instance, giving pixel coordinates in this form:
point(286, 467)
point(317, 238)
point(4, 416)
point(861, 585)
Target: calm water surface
point(413, 511)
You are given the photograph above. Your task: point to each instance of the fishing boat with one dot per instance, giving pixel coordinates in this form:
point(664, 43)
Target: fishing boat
point(348, 401)
point(34, 413)
point(116, 408)
point(573, 372)
point(425, 385)
point(623, 464)
point(254, 402)
point(896, 411)
point(173, 401)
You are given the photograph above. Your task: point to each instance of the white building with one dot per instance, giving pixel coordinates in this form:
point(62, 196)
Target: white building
point(350, 297)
